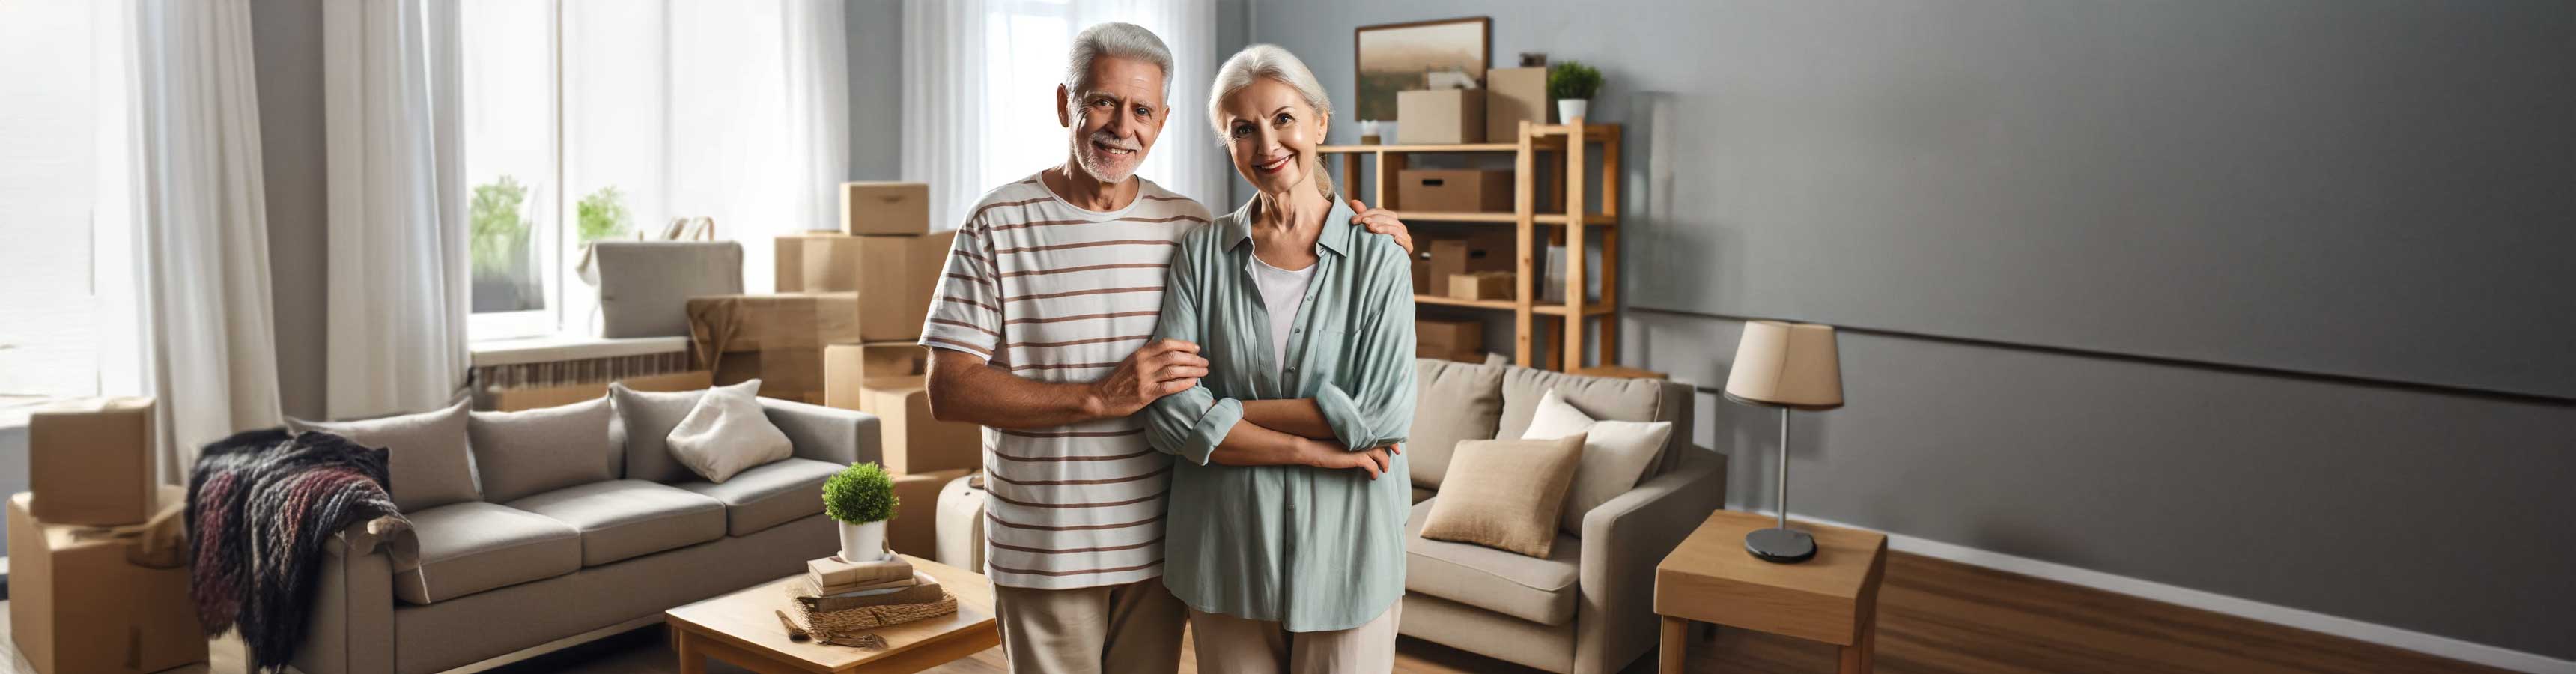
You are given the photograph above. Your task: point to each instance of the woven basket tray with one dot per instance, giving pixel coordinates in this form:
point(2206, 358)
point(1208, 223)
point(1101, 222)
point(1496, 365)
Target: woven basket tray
point(849, 622)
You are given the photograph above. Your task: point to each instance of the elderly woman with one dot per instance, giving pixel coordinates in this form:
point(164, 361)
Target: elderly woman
point(1286, 527)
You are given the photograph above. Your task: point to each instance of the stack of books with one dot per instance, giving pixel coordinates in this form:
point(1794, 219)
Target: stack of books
point(835, 584)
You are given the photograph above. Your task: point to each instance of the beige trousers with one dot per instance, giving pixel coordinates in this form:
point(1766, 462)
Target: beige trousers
point(1231, 645)
point(1115, 629)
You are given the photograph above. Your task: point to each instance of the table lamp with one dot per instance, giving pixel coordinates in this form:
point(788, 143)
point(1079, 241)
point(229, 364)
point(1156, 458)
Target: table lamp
point(1790, 366)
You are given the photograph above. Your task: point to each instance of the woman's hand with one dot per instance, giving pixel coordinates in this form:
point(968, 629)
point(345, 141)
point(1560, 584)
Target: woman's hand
point(1382, 221)
point(1376, 461)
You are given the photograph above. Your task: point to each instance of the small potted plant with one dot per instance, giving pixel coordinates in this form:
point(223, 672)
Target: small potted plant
point(862, 498)
point(1572, 84)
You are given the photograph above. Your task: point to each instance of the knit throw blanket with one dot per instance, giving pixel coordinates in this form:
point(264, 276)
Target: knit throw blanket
point(260, 506)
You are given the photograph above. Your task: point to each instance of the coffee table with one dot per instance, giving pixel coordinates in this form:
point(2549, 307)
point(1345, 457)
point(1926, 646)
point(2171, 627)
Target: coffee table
point(1832, 598)
point(742, 629)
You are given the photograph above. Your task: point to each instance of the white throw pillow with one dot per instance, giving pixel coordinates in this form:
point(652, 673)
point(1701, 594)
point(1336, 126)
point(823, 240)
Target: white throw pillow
point(726, 433)
point(1615, 454)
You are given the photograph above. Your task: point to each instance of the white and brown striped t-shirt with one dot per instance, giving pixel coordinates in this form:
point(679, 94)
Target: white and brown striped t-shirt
point(1060, 294)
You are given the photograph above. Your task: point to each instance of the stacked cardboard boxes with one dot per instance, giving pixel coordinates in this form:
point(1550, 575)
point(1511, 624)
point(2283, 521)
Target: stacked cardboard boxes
point(1450, 257)
point(98, 577)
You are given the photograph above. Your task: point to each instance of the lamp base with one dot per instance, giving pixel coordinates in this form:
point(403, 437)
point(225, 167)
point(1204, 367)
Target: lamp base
point(1780, 546)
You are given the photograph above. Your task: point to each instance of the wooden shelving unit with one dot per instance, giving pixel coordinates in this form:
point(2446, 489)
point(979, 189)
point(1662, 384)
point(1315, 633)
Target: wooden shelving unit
point(1566, 148)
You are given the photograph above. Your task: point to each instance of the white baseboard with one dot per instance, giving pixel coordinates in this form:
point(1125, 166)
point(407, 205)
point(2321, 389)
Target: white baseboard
point(2433, 644)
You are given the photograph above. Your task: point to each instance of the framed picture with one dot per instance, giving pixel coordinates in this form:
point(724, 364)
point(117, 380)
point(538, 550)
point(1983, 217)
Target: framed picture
point(1400, 56)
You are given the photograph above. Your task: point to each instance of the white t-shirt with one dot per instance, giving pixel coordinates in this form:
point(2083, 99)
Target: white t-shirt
point(1282, 292)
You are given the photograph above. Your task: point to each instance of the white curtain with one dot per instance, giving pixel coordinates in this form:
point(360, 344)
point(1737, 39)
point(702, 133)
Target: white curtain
point(397, 254)
point(180, 222)
point(979, 94)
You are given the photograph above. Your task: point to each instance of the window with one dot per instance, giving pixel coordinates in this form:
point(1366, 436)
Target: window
point(52, 325)
point(604, 119)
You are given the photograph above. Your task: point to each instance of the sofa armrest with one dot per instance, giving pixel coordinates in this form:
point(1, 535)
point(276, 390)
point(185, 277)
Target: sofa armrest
point(828, 434)
point(1623, 541)
point(350, 629)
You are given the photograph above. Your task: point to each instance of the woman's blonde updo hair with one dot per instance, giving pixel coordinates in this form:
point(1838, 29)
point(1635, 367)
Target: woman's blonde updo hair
point(1269, 61)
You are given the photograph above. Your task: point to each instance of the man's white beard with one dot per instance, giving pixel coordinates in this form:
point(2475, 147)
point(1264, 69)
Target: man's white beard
point(1088, 158)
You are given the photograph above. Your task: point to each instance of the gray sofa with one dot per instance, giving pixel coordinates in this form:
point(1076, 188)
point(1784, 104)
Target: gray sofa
point(1589, 607)
point(500, 578)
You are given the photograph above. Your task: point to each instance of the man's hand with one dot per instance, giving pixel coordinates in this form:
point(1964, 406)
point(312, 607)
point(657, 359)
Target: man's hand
point(1382, 221)
point(1159, 369)
point(1375, 461)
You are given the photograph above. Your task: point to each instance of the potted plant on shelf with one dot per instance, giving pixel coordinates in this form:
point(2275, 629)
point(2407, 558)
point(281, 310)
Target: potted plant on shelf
point(862, 498)
point(1572, 84)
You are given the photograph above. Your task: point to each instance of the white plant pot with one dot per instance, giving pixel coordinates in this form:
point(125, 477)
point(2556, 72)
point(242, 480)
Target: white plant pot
point(1570, 109)
point(862, 542)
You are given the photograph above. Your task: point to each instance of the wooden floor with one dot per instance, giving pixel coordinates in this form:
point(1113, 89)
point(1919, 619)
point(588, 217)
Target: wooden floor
point(1935, 617)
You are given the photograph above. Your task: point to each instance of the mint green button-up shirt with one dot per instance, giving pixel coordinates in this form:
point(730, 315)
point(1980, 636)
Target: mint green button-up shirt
point(1313, 549)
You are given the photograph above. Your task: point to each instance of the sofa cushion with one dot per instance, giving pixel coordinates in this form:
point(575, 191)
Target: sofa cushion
point(649, 417)
point(1610, 398)
point(1616, 454)
point(1506, 494)
point(1471, 403)
point(1533, 589)
point(769, 494)
point(426, 463)
point(475, 546)
point(726, 433)
point(525, 453)
point(623, 519)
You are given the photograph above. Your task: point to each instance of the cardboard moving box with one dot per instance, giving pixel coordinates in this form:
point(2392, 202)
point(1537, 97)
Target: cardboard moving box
point(90, 461)
point(85, 600)
point(1459, 355)
point(885, 208)
point(1453, 191)
point(1439, 116)
point(915, 527)
point(1448, 336)
point(1513, 95)
point(1450, 257)
point(914, 442)
point(893, 276)
point(1481, 285)
point(777, 339)
point(847, 368)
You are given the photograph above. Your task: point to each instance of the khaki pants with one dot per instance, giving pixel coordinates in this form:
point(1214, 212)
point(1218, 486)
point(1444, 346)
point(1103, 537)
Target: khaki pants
point(1095, 630)
point(1231, 645)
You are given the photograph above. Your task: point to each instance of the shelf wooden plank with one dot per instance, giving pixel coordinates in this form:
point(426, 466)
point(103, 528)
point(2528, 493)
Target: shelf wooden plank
point(1595, 219)
point(1594, 133)
point(1507, 305)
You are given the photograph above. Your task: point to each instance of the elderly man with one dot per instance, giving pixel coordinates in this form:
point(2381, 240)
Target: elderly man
point(1039, 333)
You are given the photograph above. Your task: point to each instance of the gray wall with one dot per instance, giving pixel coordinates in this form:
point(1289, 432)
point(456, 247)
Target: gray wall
point(286, 51)
point(2429, 510)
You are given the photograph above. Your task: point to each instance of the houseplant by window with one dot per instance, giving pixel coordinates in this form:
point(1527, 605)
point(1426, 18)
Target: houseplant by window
point(862, 498)
point(1572, 84)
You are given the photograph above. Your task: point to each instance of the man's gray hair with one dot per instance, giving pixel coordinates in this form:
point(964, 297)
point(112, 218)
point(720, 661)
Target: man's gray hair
point(1116, 40)
point(1258, 62)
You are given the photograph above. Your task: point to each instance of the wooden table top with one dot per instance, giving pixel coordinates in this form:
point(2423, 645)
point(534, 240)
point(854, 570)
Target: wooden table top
point(1711, 578)
point(746, 619)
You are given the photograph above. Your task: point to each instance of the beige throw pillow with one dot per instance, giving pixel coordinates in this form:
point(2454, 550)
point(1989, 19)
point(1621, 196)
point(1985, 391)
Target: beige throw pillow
point(1504, 494)
point(649, 417)
point(727, 433)
point(426, 463)
point(1616, 454)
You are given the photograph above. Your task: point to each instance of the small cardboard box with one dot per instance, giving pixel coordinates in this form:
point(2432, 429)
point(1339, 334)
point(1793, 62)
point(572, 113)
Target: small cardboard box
point(913, 441)
point(90, 461)
point(885, 208)
point(535, 397)
point(1449, 257)
point(87, 600)
point(894, 276)
point(777, 339)
point(1514, 95)
point(1481, 285)
point(1422, 272)
point(848, 367)
point(1448, 336)
point(915, 527)
point(1453, 191)
point(1439, 116)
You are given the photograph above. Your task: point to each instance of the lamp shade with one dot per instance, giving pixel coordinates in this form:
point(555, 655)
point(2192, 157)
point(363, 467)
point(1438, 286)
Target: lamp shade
point(1790, 365)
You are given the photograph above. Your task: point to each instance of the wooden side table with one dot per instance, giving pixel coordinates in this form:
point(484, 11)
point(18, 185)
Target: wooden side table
point(1832, 598)
point(743, 629)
